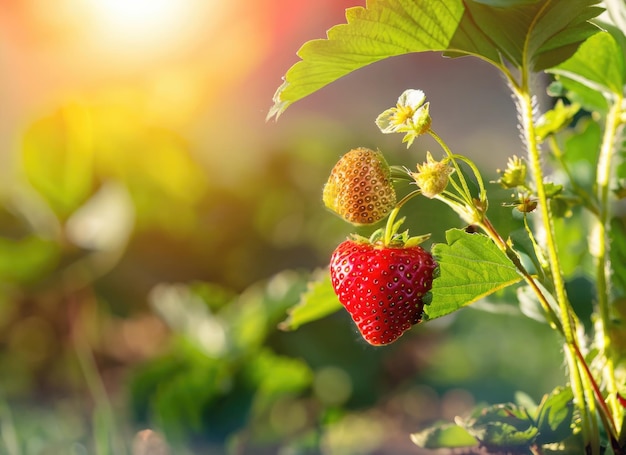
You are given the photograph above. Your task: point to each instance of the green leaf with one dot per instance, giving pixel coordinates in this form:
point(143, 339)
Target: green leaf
point(556, 119)
point(470, 267)
point(597, 65)
point(555, 416)
point(58, 158)
point(26, 259)
point(501, 425)
point(443, 436)
point(584, 144)
point(536, 35)
point(385, 28)
point(531, 34)
point(317, 302)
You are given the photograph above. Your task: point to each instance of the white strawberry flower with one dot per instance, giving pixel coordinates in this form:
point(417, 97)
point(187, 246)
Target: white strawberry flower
point(410, 115)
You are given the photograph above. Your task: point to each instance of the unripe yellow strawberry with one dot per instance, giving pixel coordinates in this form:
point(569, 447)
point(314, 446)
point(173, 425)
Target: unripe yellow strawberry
point(359, 188)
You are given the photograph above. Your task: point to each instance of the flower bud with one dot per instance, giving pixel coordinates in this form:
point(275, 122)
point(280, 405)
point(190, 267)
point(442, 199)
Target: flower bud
point(514, 175)
point(432, 176)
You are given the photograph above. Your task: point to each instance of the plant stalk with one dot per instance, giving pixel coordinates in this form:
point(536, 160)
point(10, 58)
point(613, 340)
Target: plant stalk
point(525, 106)
point(603, 177)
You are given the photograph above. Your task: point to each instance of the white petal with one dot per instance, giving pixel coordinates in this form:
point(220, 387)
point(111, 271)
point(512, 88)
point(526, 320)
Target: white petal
point(384, 121)
point(412, 98)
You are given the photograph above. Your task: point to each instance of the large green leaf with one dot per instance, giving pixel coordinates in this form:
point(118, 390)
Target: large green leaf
point(385, 28)
point(534, 35)
point(530, 34)
point(470, 267)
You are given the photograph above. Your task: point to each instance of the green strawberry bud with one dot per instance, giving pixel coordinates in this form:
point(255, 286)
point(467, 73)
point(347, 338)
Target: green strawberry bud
point(432, 176)
point(514, 175)
point(359, 188)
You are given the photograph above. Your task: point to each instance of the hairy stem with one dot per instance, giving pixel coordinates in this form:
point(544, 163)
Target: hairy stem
point(525, 107)
point(603, 175)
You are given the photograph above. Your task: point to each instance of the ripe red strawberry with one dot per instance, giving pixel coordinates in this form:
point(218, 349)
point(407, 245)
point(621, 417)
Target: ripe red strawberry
point(359, 188)
point(381, 286)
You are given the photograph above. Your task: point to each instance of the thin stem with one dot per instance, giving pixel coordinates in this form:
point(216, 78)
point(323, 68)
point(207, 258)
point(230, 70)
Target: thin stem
point(105, 439)
point(446, 149)
point(572, 350)
point(530, 137)
point(454, 197)
point(491, 231)
point(603, 175)
point(482, 193)
point(538, 252)
point(458, 189)
point(391, 220)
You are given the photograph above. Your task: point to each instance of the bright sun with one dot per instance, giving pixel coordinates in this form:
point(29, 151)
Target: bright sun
point(141, 23)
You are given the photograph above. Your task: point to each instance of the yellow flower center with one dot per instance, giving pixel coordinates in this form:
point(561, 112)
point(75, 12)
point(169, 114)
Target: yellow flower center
point(403, 115)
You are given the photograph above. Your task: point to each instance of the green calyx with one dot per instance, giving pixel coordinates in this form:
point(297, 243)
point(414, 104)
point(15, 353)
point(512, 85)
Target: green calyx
point(391, 238)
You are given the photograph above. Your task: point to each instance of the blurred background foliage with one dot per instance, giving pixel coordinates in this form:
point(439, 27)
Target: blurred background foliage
point(154, 231)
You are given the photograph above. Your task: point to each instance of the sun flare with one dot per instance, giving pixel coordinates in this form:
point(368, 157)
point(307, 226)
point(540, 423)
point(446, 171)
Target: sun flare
point(141, 23)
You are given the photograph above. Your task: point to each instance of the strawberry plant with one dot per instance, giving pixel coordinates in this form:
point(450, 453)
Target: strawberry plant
point(570, 179)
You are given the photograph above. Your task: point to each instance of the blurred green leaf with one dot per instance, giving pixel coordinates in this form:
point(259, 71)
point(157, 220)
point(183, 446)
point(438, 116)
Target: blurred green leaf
point(278, 293)
point(470, 267)
point(443, 436)
point(529, 303)
point(317, 302)
point(556, 119)
point(501, 425)
point(167, 186)
point(555, 416)
point(584, 143)
point(58, 158)
point(25, 259)
point(277, 375)
point(570, 240)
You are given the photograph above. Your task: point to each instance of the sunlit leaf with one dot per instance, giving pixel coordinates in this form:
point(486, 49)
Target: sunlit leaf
point(598, 65)
point(443, 436)
point(533, 35)
point(556, 119)
point(317, 302)
point(58, 158)
point(385, 28)
point(470, 267)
